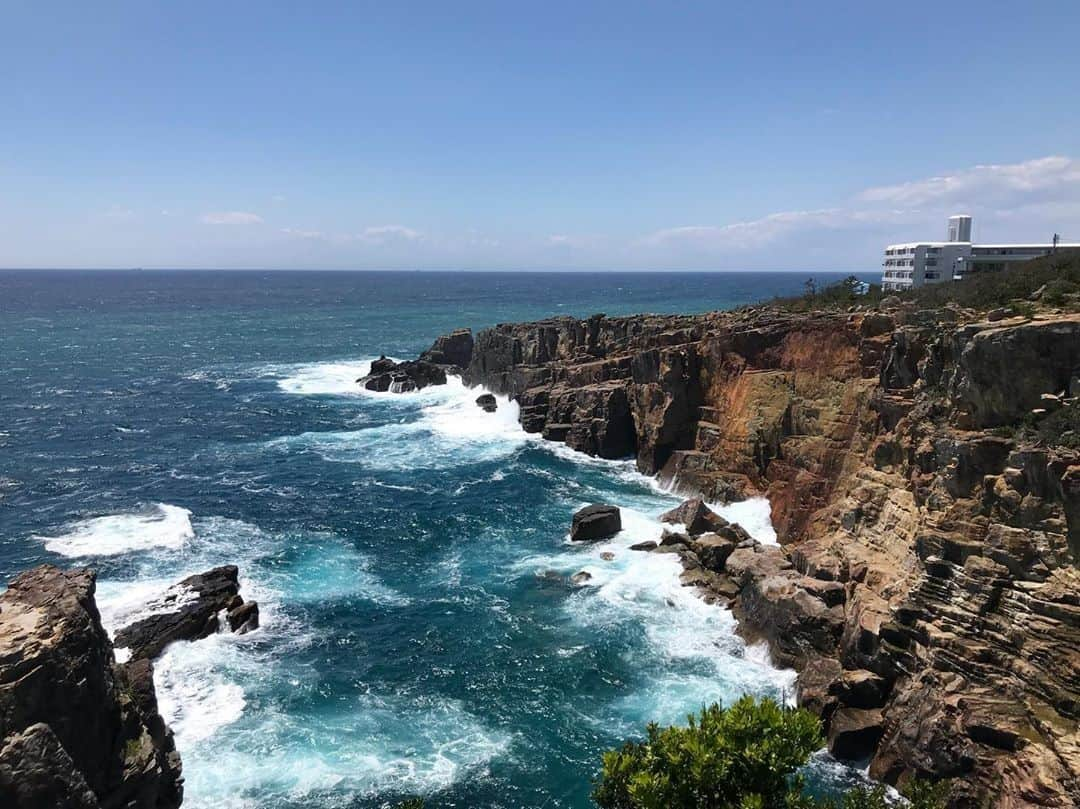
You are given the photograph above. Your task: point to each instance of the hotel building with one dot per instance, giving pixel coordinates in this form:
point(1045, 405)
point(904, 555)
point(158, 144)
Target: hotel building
point(918, 263)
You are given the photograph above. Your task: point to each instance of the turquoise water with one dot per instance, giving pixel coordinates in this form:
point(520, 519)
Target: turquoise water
point(420, 635)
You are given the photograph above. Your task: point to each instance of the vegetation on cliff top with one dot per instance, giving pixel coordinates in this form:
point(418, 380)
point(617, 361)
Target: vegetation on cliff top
point(1052, 280)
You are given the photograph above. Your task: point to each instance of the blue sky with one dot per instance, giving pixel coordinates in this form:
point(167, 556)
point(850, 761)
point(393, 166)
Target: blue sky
point(543, 135)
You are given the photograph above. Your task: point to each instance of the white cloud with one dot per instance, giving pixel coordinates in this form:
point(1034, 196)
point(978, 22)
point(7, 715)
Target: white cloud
point(381, 234)
point(304, 234)
point(756, 233)
point(1005, 184)
point(1026, 194)
point(375, 235)
point(231, 218)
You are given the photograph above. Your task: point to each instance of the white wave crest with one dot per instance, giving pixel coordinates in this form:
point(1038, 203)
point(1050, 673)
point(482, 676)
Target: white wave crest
point(450, 429)
point(323, 378)
point(159, 526)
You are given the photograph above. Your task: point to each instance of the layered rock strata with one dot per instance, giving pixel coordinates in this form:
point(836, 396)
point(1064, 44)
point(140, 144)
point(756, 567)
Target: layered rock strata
point(928, 511)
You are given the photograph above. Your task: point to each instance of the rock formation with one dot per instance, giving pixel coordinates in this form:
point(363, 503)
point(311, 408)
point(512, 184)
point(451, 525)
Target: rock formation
point(189, 611)
point(453, 350)
point(76, 728)
point(921, 470)
point(595, 522)
point(401, 377)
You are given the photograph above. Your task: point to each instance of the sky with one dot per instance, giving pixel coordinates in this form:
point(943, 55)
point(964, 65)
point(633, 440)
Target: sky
point(512, 135)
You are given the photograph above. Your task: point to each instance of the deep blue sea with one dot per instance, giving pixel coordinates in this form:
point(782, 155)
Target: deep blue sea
point(409, 552)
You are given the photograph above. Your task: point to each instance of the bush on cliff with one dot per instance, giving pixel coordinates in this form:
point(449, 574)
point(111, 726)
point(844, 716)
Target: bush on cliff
point(741, 757)
point(744, 755)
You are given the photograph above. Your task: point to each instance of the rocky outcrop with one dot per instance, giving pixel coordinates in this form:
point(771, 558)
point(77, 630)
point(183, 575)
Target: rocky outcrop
point(487, 402)
point(189, 611)
point(927, 507)
point(595, 522)
point(76, 728)
point(453, 349)
point(387, 376)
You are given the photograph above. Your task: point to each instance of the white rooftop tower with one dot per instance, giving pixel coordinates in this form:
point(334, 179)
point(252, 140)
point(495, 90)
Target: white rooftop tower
point(960, 228)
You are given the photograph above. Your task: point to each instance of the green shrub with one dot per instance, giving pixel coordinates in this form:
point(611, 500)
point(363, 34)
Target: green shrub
point(741, 756)
point(1057, 291)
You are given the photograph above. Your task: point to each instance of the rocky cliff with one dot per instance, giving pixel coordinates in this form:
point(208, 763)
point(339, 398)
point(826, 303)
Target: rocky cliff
point(925, 493)
point(77, 729)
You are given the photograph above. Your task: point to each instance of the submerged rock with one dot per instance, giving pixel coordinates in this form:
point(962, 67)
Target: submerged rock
point(595, 522)
point(198, 600)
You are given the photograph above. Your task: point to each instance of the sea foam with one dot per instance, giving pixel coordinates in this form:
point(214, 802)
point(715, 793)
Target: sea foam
point(158, 526)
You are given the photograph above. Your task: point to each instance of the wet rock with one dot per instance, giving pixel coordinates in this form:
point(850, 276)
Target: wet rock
point(244, 618)
point(595, 522)
point(487, 403)
point(189, 611)
point(647, 545)
point(674, 539)
point(581, 578)
point(402, 377)
point(696, 516)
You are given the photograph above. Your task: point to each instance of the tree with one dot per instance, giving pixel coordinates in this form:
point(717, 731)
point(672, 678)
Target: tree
point(741, 756)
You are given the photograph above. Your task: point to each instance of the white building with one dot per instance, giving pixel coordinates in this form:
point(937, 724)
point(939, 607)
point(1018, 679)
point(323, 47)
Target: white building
point(918, 263)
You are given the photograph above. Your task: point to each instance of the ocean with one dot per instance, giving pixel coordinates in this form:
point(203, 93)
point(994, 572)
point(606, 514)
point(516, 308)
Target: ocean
point(420, 635)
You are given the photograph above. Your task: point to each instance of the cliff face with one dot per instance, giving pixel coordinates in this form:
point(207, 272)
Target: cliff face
point(76, 728)
point(928, 587)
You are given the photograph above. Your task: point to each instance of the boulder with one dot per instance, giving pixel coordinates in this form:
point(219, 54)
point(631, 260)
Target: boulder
point(189, 611)
point(713, 550)
point(487, 403)
point(595, 522)
point(696, 516)
point(244, 618)
point(581, 578)
point(647, 545)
